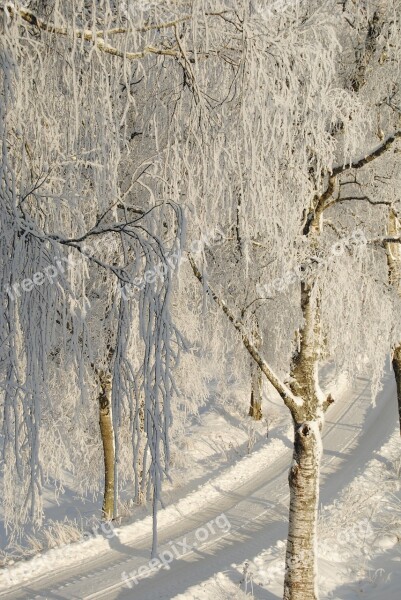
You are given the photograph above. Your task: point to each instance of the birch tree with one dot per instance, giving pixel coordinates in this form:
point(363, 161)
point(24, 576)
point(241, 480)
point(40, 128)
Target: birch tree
point(272, 100)
point(300, 142)
point(80, 251)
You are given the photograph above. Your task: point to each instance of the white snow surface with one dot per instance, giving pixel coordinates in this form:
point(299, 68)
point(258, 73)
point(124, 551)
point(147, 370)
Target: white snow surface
point(359, 525)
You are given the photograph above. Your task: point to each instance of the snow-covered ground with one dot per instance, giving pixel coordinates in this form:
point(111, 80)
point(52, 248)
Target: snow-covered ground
point(215, 440)
point(359, 543)
point(225, 538)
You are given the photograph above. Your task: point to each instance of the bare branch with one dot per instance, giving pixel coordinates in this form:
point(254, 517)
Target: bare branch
point(372, 155)
point(363, 198)
point(382, 241)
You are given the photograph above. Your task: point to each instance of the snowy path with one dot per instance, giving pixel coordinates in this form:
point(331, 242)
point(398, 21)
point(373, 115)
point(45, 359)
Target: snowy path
point(256, 510)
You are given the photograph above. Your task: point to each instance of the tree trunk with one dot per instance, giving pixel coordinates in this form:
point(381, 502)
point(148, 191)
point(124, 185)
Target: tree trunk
point(140, 449)
point(107, 435)
point(307, 405)
point(301, 571)
point(397, 374)
point(300, 581)
point(394, 276)
point(255, 409)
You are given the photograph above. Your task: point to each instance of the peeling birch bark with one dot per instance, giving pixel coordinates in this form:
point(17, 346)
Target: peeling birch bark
point(300, 581)
point(301, 572)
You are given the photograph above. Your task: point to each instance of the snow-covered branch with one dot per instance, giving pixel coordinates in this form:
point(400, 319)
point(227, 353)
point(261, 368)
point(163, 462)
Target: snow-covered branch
point(320, 202)
point(313, 215)
point(292, 402)
point(95, 37)
point(98, 37)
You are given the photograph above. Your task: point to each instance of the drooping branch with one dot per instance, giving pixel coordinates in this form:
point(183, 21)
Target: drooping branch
point(127, 227)
point(117, 271)
point(292, 402)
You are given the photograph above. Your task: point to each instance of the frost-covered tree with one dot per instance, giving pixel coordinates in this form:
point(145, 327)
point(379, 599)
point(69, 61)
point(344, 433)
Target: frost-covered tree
point(294, 121)
point(87, 223)
point(227, 263)
point(287, 106)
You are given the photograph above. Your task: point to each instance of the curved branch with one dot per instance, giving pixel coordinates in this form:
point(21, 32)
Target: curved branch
point(367, 158)
point(88, 35)
point(313, 216)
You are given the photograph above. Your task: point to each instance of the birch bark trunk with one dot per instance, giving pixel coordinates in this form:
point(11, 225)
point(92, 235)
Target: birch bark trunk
point(301, 572)
point(307, 405)
point(300, 581)
point(255, 408)
point(107, 435)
